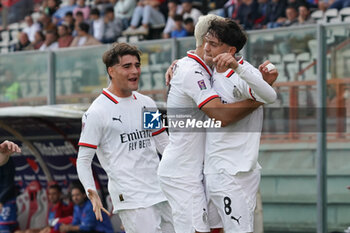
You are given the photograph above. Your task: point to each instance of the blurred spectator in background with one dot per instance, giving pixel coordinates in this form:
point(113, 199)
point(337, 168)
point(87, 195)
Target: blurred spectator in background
point(8, 209)
point(79, 18)
point(292, 16)
point(261, 13)
point(339, 4)
point(10, 90)
point(59, 15)
point(102, 5)
point(23, 43)
point(96, 24)
point(31, 27)
point(82, 8)
point(64, 37)
point(173, 9)
point(304, 15)
point(275, 10)
point(50, 42)
point(69, 21)
point(231, 8)
point(112, 28)
point(189, 11)
point(46, 23)
point(296, 3)
point(123, 10)
point(148, 12)
point(52, 6)
point(189, 26)
point(84, 219)
point(179, 30)
point(57, 209)
point(39, 39)
point(247, 14)
point(83, 38)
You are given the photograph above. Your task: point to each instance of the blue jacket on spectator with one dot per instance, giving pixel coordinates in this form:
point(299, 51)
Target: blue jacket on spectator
point(85, 217)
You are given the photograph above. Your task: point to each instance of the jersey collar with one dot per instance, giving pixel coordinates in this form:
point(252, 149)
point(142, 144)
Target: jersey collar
point(114, 98)
point(195, 57)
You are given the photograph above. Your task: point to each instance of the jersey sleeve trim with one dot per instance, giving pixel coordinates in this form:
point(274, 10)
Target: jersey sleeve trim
point(87, 145)
point(251, 94)
point(158, 132)
point(207, 100)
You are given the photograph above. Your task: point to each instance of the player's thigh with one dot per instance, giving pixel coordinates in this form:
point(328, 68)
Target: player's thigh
point(188, 203)
point(214, 216)
point(167, 224)
point(235, 199)
point(141, 220)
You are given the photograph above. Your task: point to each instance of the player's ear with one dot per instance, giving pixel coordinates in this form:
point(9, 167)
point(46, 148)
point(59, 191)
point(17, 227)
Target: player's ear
point(109, 71)
point(232, 50)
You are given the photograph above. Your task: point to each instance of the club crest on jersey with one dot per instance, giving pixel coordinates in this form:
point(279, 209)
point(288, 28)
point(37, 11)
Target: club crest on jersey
point(152, 120)
point(201, 84)
point(236, 93)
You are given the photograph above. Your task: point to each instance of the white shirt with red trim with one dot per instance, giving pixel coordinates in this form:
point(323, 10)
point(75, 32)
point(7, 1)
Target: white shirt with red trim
point(190, 90)
point(114, 127)
point(235, 148)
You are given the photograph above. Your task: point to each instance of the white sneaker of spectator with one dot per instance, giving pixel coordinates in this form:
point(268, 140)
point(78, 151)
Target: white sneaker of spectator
point(142, 30)
point(129, 31)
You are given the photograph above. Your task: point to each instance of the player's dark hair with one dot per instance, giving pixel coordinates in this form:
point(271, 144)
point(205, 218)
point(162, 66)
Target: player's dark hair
point(228, 32)
point(112, 56)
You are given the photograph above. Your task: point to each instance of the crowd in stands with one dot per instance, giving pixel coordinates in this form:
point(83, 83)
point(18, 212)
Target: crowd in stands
point(74, 23)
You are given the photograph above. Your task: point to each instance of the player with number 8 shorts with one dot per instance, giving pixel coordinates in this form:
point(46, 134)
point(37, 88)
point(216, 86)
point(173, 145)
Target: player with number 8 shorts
point(231, 168)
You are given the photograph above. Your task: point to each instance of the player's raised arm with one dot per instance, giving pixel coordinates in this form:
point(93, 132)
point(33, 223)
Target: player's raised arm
point(253, 77)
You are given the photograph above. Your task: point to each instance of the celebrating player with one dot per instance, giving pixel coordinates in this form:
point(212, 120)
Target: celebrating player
point(112, 127)
point(231, 168)
point(181, 168)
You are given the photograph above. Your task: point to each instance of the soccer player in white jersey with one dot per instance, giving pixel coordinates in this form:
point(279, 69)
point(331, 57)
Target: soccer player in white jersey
point(181, 168)
point(231, 168)
point(112, 127)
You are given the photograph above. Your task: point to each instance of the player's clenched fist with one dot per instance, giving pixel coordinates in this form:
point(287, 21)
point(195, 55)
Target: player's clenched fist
point(225, 61)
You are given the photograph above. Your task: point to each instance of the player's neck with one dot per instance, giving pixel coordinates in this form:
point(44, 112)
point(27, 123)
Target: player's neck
point(118, 92)
point(200, 52)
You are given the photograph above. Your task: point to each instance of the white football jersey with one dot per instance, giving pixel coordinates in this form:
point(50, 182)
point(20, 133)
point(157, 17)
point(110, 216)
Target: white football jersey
point(235, 148)
point(114, 127)
point(190, 90)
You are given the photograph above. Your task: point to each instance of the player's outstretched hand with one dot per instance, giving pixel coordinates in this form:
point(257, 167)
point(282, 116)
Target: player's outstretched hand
point(7, 148)
point(169, 73)
point(269, 72)
point(97, 205)
point(225, 61)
